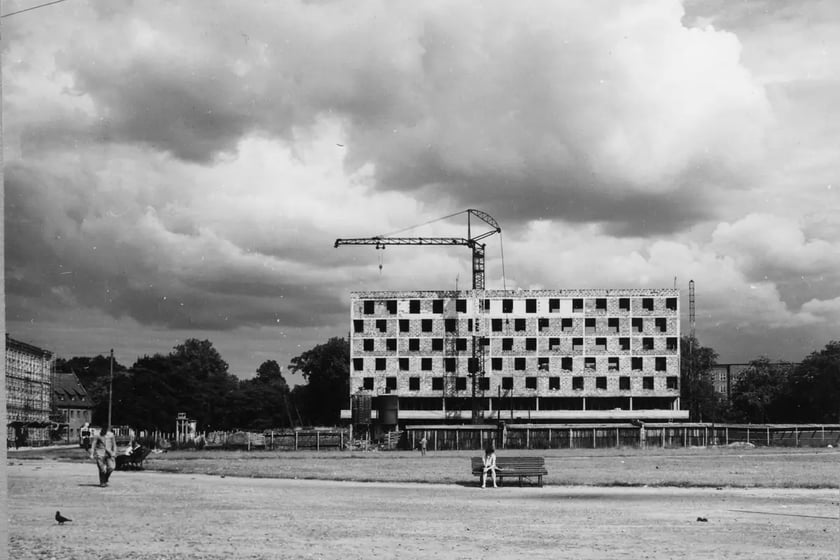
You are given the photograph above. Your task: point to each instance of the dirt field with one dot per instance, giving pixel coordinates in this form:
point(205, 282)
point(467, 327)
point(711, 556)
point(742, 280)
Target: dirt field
point(166, 516)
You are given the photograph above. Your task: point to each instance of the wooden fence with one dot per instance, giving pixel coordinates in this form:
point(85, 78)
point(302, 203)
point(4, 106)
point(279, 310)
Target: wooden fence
point(594, 436)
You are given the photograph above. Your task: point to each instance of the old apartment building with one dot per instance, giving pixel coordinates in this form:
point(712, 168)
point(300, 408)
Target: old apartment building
point(72, 403)
point(28, 393)
point(547, 355)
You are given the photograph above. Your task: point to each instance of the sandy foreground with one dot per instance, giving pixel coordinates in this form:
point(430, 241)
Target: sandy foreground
point(156, 515)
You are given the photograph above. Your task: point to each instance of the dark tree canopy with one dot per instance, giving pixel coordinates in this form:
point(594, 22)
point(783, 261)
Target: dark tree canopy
point(761, 392)
point(326, 368)
point(192, 378)
point(198, 358)
point(208, 382)
point(263, 402)
point(815, 386)
point(697, 391)
point(270, 372)
point(151, 395)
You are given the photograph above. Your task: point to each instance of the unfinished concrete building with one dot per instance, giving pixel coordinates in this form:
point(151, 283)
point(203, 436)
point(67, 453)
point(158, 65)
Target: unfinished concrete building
point(28, 393)
point(539, 356)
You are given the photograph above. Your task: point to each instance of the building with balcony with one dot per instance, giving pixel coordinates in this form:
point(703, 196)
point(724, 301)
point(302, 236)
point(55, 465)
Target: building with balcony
point(519, 356)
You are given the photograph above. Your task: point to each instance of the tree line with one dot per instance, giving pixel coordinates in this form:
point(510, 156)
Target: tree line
point(765, 391)
point(193, 378)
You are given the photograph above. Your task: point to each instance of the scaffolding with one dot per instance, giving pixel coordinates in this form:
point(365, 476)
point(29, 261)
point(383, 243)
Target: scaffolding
point(28, 393)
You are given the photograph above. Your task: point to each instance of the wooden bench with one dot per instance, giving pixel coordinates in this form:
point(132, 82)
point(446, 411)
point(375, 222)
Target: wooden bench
point(133, 461)
point(519, 467)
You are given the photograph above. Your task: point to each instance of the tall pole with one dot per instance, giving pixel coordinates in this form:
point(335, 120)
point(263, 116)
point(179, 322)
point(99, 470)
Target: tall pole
point(693, 408)
point(111, 388)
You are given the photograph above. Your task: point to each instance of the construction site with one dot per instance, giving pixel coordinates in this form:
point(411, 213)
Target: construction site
point(436, 358)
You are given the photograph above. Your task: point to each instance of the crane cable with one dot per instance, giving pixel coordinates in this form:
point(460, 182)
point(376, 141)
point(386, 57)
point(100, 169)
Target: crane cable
point(423, 224)
point(501, 244)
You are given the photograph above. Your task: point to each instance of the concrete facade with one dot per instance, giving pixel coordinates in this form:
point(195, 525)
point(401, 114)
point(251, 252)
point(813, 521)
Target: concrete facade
point(548, 355)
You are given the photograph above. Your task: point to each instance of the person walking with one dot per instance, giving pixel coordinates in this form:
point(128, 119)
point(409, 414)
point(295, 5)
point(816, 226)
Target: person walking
point(423, 445)
point(103, 449)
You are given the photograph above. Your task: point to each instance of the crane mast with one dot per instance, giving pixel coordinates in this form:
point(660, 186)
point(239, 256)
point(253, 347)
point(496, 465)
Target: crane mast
point(476, 368)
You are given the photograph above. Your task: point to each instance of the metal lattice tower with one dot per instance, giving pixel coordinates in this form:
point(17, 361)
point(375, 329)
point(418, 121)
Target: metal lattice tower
point(477, 371)
point(691, 307)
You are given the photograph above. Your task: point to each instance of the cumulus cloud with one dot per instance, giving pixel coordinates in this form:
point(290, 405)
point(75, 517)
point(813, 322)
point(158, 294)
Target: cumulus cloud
point(184, 168)
point(575, 112)
point(139, 240)
point(765, 242)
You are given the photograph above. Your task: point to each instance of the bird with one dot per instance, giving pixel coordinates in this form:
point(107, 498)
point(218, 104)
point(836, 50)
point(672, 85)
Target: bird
point(60, 518)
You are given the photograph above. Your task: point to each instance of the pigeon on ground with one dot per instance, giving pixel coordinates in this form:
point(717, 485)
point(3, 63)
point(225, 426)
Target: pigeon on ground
point(60, 518)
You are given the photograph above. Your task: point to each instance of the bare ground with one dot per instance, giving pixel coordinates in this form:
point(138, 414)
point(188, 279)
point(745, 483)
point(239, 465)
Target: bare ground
point(145, 515)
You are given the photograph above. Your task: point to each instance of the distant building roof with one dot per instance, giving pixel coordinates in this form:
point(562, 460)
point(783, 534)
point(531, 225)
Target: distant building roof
point(12, 344)
point(69, 392)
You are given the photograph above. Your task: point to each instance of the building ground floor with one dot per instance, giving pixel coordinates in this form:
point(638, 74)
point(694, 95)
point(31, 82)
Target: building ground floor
point(399, 410)
point(28, 434)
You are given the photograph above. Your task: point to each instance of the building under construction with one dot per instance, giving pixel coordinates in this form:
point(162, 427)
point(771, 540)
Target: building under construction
point(539, 356)
point(28, 393)
point(525, 356)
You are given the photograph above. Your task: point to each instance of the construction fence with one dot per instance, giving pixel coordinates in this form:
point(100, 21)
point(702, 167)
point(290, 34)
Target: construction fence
point(315, 439)
point(595, 436)
point(523, 436)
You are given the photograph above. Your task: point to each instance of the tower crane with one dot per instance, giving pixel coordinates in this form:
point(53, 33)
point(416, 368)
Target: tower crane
point(473, 241)
point(478, 249)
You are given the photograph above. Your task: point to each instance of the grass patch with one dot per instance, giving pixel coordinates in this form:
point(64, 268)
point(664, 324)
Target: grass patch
point(692, 467)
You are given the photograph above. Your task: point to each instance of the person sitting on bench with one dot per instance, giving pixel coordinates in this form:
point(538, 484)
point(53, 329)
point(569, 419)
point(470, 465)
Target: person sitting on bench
point(489, 465)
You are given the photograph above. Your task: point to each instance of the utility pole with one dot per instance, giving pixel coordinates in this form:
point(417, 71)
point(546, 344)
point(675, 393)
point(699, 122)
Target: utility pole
point(111, 388)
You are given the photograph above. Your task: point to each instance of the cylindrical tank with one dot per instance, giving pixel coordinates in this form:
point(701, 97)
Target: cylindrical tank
point(388, 410)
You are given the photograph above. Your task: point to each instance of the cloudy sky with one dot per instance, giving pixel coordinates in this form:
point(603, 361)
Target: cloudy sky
point(182, 169)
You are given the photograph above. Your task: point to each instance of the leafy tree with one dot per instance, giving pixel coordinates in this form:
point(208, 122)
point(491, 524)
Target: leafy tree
point(262, 402)
point(326, 368)
point(761, 392)
point(270, 372)
point(207, 384)
point(151, 395)
point(698, 392)
point(815, 386)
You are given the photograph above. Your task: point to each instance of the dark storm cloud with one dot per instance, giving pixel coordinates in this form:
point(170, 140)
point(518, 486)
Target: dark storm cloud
point(170, 108)
point(581, 199)
point(63, 252)
point(438, 105)
point(190, 307)
point(188, 165)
